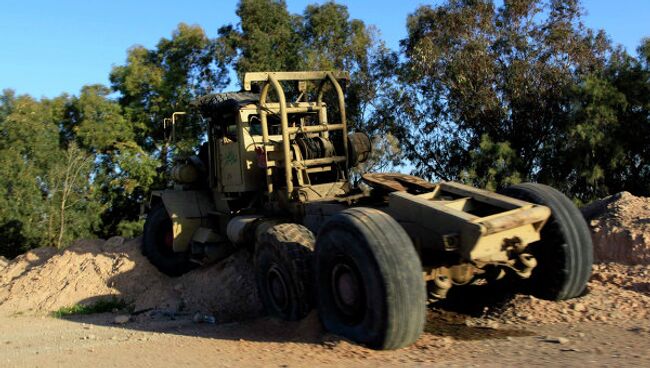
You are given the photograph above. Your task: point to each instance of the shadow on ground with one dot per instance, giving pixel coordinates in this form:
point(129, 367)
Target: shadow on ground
point(449, 318)
point(456, 315)
point(262, 329)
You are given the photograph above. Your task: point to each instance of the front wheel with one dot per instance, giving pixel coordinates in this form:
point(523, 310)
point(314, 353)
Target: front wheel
point(369, 280)
point(157, 244)
point(564, 253)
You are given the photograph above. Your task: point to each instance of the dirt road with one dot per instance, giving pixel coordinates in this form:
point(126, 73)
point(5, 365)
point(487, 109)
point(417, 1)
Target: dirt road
point(93, 341)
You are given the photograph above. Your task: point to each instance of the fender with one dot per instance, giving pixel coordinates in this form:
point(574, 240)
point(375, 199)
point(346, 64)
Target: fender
point(188, 211)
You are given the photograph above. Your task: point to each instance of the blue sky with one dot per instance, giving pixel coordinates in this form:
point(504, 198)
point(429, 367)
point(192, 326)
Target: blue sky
point(50, 47)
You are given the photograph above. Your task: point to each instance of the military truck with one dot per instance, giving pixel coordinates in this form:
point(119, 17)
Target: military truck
point(274, 177)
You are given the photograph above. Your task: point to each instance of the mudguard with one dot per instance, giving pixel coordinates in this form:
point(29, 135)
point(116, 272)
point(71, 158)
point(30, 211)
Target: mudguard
point(188, 211)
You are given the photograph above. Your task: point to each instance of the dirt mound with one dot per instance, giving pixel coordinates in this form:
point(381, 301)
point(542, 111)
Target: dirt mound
point(45, 280)
point(620, 226)
point(616, 293)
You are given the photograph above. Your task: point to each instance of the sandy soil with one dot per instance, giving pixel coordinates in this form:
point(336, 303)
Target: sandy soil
point(620, 227)
point(44, 280)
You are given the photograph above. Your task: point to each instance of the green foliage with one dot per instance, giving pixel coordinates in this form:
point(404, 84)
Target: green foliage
point(27, 151)
point(130, 229)
point(155, 83)
point(496, 161)
point(123, 179)
point(152, 85)
point(267, 39)
point(607, 150)
point(100, 306)
point(97, 122)
point(333, 41)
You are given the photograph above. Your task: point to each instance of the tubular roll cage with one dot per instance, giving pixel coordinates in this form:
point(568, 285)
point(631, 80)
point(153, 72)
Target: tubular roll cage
point(271, 79)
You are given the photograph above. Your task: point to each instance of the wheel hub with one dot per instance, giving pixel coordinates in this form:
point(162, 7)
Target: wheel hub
point(277, 288)
point(348, 293)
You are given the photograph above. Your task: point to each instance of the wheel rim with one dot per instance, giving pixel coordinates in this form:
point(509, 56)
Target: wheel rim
point(165, 241)
point(168, 239)
point(347, 289)
point(277, 289)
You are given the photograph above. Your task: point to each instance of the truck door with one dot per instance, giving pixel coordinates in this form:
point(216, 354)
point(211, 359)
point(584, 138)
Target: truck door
point(228, 153)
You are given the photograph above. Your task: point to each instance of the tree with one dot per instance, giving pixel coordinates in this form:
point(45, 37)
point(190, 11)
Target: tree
point(122, 171)
point(603, 155)
point(96, 122)
point(123, 181)
point(266, 39)
point(30, 141)
point(333, 41)
point(269, 38)
point(486, 92)
point(155, 83)
point(72, 208)
point(44, 199)
point(7, 100)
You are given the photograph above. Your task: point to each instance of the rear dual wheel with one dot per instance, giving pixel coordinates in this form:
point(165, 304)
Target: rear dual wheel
point(368, 277)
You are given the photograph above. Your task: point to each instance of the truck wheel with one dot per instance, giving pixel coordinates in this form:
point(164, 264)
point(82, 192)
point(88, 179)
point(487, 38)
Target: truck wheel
point(284, 270)
point(369, 280)
point(157, 244)
point(565, 252)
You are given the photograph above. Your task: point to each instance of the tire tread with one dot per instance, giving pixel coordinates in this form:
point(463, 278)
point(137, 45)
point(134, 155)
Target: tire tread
point(294, 244)
point(400, 266)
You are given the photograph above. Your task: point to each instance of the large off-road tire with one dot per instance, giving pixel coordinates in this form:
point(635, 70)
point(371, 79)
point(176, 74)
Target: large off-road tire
point(157, 244)
point(284, 270)
point(565, 252)
point(369, 280)
point(219, 103)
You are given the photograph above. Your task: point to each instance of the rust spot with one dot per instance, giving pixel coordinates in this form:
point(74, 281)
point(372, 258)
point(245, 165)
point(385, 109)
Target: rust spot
point(396, 182)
